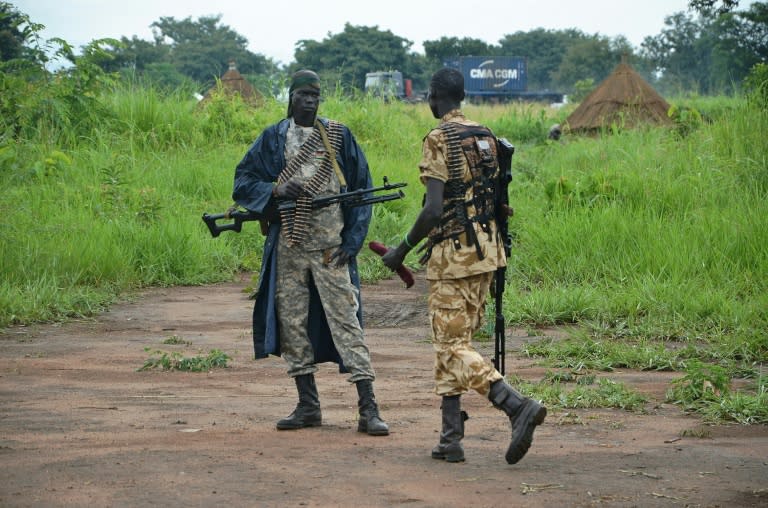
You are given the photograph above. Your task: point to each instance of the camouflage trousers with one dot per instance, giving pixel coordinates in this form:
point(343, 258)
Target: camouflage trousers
point(456, 310)
point(297, 268)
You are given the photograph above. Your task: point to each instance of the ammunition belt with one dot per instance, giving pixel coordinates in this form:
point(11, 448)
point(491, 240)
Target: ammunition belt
point(295, 222)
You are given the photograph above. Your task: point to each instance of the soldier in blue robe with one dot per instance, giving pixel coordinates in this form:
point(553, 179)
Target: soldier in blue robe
point(307, 305)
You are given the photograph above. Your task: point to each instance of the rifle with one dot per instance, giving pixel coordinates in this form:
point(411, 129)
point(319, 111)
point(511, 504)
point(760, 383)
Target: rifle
point(360, 197)
point(503, 212)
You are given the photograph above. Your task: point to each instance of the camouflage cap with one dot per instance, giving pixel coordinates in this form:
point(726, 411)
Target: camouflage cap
point(304, 78)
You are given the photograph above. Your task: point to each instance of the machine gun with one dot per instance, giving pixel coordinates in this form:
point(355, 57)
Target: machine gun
point(360, 197)
point(503, 212)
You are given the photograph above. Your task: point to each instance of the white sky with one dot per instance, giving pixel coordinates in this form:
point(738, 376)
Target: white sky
point(273, 28)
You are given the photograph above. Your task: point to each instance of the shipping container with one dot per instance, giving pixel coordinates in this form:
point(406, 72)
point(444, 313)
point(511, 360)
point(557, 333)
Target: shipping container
point(498, 78)
point(492, 75)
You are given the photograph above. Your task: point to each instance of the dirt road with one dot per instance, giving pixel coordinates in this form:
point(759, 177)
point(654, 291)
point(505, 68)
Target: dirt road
point(80, 426)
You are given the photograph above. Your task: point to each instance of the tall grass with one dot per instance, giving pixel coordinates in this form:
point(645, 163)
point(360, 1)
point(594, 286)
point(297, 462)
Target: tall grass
point(651, 242)
point(120, 208)
point(654, 230)
point(645, 225)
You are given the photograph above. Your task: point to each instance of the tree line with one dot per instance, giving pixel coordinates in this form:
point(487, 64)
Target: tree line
point(708, 49)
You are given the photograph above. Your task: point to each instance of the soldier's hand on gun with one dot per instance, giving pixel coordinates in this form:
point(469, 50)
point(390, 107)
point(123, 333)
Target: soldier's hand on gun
point(288, 190)
point(340, 257)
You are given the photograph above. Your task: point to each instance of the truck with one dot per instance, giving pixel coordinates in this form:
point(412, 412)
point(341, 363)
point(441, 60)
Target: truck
point(388, 85)
point(498, 79)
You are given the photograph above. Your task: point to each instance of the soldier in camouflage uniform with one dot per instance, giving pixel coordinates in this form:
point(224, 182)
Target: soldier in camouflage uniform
point(459, 168)
point(308, 300)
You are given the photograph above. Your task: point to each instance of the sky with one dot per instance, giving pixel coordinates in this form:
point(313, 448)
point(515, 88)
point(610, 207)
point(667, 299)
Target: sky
point(274, 28)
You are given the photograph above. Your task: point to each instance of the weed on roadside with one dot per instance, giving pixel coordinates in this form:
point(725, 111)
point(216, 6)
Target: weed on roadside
point(176, 340)
point(164, 360)
point(604, 393)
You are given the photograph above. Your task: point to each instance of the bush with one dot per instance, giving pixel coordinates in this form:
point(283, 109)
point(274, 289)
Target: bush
point(756, 85)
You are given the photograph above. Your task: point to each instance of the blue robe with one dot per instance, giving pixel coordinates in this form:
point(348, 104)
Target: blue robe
point(254, 180)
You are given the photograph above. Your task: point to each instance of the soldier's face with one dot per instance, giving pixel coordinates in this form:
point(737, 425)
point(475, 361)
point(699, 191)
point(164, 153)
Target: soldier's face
point(304, 104)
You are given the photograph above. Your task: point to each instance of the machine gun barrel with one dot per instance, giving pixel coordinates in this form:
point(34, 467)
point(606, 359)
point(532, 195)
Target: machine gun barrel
point(359, 197)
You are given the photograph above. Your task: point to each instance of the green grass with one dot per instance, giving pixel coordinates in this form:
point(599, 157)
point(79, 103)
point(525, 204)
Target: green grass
point(649, 243)
point(557, 392)
point(174, 360)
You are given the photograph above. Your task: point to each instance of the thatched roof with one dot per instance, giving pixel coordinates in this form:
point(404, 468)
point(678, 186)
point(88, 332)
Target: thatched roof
point(232, 82)
point(623, 98)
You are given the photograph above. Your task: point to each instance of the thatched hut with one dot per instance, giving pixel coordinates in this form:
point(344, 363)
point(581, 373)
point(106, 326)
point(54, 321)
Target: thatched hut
point(232, 82)
point(624, 98)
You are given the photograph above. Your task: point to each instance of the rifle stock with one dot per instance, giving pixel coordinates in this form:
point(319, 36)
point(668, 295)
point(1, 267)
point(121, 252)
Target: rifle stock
point(237, 216)
point(503, 211)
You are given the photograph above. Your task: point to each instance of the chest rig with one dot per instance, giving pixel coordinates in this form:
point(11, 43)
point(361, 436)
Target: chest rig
point(478, 145)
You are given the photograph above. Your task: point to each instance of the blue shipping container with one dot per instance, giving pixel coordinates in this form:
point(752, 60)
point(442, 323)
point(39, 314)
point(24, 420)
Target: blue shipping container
point(493, 75)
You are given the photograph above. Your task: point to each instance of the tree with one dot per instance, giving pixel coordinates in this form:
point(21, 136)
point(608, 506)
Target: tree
point(741, 42)
point(20, 37)
point(12, 38)
point(447, 47)
point(590, 58)
point(709, 54)
point(753, 31)
point(202, 49)
point(707, 7)
point(681, 53)
point(544, 50)
point(346, 57)
point(198, 50)
point(136, 54)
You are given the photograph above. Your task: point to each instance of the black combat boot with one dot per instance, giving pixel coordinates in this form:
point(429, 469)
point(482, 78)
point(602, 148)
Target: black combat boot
point(307, 412)
point(450, 449)
point(369, 421)
point(524, 414)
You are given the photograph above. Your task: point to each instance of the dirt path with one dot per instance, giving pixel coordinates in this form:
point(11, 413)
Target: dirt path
point(80, 426)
